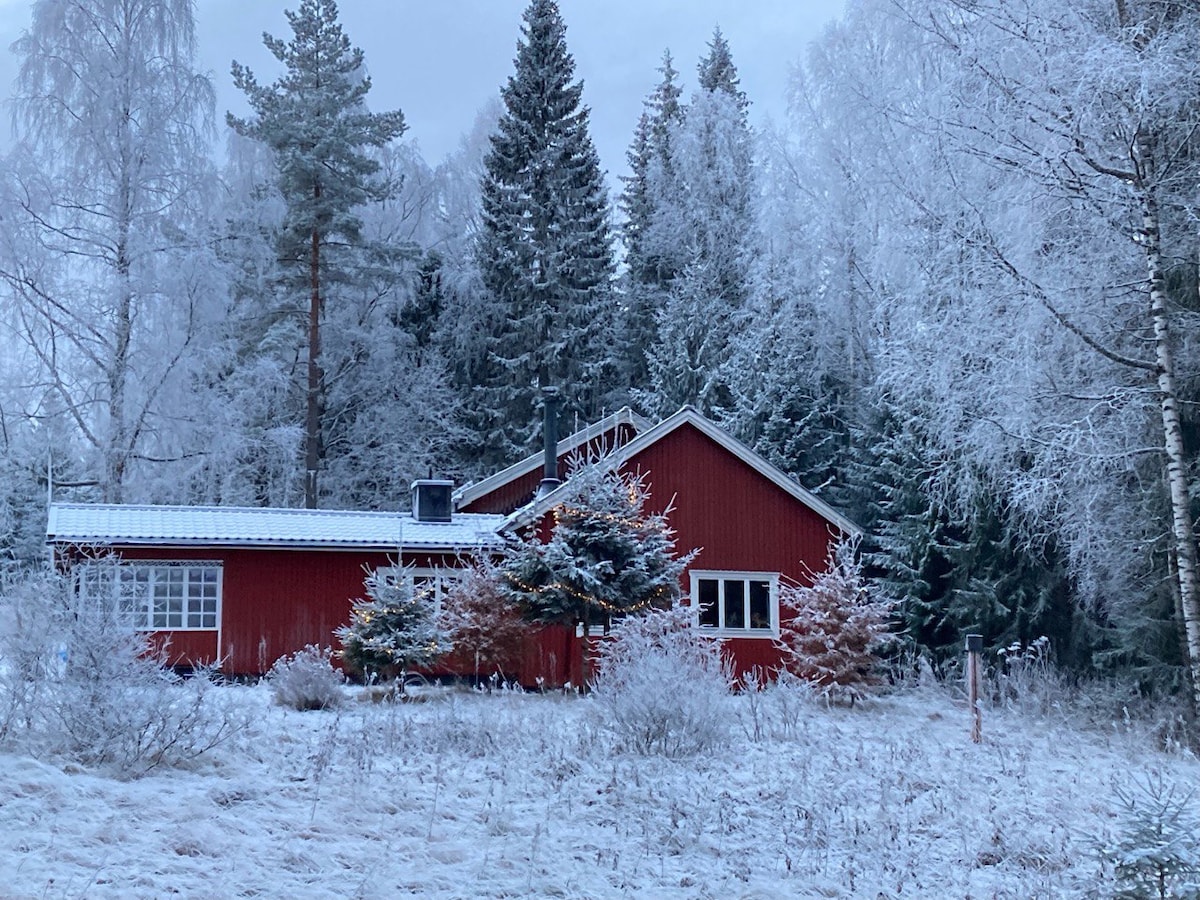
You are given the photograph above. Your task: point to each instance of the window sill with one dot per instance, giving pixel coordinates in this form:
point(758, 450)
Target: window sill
point(762, 634)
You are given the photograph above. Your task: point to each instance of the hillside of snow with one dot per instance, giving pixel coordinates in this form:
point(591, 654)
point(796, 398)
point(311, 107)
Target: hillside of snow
point(509, 795)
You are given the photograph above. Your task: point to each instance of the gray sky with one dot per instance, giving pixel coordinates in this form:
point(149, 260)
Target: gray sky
point(441, 60)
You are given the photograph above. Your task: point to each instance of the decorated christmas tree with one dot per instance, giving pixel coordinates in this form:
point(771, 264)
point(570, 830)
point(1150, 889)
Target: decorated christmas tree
point(606, 556)
point(393, 629)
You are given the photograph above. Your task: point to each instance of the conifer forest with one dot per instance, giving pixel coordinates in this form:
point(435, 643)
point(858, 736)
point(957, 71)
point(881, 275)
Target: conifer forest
point(955, 291)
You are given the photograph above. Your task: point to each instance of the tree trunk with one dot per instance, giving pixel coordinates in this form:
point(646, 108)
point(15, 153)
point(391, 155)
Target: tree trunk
point(1177, 480)
point(312, 418)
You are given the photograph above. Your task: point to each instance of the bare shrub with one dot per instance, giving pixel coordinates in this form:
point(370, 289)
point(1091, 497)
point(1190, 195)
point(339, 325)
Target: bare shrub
point(97, 691)
point(307, 680)
point(662, 688)
point(482, 621)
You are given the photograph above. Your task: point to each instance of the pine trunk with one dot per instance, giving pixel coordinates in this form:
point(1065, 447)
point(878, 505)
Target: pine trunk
point(312, 418)
point(1177, 480)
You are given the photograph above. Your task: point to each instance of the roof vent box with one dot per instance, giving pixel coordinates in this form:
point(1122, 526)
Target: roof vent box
point(431, 500)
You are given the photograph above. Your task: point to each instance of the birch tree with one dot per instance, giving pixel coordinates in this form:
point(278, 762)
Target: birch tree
point(1093, 103)
point(105, 249)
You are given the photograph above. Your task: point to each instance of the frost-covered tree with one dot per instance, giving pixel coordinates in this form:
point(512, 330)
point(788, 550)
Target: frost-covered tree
point(544, 250)
point(393, 629)
point(653, 254)
point(482, 621)
point(710, 186)
point(105, 246)
point(832, 630)
point(607, 554)
point(316, 122)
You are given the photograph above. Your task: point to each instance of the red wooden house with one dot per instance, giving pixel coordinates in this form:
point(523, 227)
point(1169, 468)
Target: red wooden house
point(247, 585)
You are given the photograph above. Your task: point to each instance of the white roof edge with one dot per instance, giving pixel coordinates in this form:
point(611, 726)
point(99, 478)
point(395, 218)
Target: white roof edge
point(691, 416)
point(472, 492)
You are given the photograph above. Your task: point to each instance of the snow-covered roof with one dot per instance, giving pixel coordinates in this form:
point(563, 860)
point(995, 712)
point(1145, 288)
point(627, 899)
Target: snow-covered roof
point(623, 416)
point(233, 526)
point(690, 416)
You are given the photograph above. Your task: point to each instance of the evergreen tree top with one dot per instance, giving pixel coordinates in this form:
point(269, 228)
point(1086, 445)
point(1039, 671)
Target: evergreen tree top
point(664, 102)
point(718, 73)
point(315, 119)
point(541, 94)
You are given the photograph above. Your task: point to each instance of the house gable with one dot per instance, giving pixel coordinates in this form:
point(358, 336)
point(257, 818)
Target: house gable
point(512, 488)
point(687, 452)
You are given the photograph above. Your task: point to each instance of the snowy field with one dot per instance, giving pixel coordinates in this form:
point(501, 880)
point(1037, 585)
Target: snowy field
point(470, 795)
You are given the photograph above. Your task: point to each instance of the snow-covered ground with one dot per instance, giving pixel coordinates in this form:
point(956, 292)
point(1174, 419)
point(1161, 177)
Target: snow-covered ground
point(469, 795)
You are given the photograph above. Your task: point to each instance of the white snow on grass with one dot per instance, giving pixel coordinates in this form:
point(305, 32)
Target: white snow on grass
point(508, 795)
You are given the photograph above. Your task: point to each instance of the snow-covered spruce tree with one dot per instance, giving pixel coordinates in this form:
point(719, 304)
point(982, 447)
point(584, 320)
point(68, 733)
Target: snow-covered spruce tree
point(1157, 853)
point(544, 250)
point(392, 630)
point(710, 212)
point(105, 244)
point(652, 255)
point(607, 555)
point(831, 629)
point(315, 120)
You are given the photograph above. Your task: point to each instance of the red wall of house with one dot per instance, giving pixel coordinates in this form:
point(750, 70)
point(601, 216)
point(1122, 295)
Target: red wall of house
point(738, 519)
point(273, 601)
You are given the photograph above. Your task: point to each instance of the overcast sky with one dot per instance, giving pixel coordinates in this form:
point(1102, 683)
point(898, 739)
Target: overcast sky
point(441, 60)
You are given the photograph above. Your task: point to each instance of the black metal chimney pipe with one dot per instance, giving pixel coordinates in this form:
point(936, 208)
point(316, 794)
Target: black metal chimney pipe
point(549, 441)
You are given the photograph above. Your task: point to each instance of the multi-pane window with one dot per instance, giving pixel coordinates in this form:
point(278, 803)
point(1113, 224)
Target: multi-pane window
point(159, 596)
point(431, 583)
point(737, 602)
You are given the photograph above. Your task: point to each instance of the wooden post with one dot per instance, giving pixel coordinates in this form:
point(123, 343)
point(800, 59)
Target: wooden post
point(974, 650)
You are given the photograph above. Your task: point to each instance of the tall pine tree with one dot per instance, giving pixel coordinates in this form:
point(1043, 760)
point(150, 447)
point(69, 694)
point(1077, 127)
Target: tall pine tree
point(316, 121)
point(544, 251)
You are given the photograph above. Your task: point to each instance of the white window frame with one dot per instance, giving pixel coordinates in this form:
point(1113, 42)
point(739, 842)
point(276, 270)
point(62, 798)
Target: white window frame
point(145, 612)
point(442, 576)
point(721, 576)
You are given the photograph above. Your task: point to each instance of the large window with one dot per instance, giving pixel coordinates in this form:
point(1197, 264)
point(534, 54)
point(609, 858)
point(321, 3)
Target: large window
point(158, 596)
point(737, 604)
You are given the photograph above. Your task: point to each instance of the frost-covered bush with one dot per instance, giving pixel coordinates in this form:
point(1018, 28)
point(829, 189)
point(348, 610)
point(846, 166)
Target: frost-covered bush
point(831, 630)
point(94, 690)
point(662, 688)
point(1157, 853)
point(482, 622)
point(306, 680)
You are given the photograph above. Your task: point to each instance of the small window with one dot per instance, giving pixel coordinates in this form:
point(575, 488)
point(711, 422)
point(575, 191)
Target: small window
point(737, 604)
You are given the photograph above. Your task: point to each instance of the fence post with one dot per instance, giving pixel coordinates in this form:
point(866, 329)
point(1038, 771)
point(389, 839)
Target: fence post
point(974, 651)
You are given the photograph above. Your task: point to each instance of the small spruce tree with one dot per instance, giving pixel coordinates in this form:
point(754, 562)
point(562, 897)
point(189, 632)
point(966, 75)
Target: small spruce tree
point(606, 557)
point(831, 629)
point(392, 630)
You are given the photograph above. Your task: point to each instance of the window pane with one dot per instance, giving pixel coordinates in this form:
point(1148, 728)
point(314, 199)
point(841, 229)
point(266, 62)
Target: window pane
point(760, 604)
point(707, 598)
point(735, 604)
